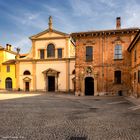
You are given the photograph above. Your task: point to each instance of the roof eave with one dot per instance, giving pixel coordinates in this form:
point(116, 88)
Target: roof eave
point(135, 40)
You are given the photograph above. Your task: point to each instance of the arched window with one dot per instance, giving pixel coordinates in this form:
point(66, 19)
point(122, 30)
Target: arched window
point(51, 50)
point(26, 73)
point(8, 83)
point(118, 52)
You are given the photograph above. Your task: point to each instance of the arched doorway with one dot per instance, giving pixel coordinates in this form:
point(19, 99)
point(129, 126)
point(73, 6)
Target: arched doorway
point(8, 83)
point(89, 86)
point(27, 83)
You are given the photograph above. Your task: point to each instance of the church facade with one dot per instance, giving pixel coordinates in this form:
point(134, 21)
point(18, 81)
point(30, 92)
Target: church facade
point(49, 66)
point(102, 62)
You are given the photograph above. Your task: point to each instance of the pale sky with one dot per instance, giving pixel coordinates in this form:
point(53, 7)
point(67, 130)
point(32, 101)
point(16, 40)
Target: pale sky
point(20, 19)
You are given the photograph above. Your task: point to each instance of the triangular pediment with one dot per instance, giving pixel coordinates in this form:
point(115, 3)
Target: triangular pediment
point(27, 79)
point(49, 34)
point(50, 71)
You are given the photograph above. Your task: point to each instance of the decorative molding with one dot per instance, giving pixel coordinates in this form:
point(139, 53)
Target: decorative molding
point(89, 42)
point(118, 39)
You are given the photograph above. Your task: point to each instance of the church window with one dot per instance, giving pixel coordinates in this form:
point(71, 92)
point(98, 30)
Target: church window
point(51, 50)
point(41, 54)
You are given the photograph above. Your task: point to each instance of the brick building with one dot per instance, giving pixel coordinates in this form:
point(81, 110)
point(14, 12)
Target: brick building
point(103, 63)
point(134, 50)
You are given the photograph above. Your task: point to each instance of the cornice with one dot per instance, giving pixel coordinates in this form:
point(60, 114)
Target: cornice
point(45, 60)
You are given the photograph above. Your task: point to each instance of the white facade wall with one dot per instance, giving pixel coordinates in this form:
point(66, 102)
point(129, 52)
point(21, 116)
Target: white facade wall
point(42, 44)
point(24, 66)
point(56, 65)
point(36, 66)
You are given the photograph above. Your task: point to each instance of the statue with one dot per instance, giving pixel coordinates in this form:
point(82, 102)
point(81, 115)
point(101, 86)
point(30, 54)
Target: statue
point(50, 23)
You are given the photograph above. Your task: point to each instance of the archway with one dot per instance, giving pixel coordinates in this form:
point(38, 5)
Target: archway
point(8, 83)
point(89, 86)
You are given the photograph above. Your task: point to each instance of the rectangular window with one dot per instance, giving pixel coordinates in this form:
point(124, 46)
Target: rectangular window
point(8, 68)
point(118, 52)
point(59, 53)
point(138, 76)
point(118, 77)
point(135, 55)
point(89, 53)
point(42, 54)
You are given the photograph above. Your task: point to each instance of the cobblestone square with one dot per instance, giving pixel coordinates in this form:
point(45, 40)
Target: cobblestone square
point(67, 117)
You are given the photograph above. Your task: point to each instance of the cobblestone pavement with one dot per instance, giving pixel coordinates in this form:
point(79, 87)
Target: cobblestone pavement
point(66, 117)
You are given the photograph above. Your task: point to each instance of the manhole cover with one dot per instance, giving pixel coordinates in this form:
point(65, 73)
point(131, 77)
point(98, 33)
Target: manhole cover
point(97, 99)
point(78, 138)
point(93, 109)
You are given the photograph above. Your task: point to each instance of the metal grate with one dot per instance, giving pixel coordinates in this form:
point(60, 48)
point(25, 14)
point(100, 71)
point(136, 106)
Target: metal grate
point(78, 138)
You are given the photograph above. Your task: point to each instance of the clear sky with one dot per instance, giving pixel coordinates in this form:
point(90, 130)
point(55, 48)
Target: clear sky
point(20, 19)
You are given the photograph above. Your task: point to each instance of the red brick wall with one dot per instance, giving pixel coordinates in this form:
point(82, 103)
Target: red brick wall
point(135, 66)
point(103, 61)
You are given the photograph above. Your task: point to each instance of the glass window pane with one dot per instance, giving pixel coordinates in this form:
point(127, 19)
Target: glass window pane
point(89, 53)
point(50, 50)
point(118, 52)
point(60, 53)
point(41, 54)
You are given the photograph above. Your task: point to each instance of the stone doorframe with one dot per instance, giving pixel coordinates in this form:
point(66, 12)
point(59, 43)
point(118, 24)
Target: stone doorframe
point(83, 85)
point(51, 72)
point(88, 72)
point(26, 79)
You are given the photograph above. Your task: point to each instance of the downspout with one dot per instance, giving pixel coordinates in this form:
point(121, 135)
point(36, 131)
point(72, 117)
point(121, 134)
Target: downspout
point(68, 74)
point(103, 63)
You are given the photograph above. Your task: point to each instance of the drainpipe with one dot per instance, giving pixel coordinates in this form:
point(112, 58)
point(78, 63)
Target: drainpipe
point(103, 63)
point(68, 74)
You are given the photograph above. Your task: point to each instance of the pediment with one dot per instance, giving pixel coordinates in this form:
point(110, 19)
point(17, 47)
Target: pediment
point(51, 71)
point(26, 79)
point(117, 40)
point(49, 34)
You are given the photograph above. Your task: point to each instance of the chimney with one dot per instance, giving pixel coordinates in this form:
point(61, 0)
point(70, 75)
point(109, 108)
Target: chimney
point(10, 47)
point(7, 46)
point(118, 22)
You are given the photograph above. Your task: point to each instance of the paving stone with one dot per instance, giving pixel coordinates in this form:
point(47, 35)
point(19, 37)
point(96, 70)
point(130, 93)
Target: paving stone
point(47, 117)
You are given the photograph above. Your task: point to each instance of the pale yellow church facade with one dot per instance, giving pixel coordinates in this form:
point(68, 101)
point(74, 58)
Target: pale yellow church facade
point(50, 65)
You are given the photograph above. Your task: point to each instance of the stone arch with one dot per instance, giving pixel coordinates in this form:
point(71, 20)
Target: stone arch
point(26, 72)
